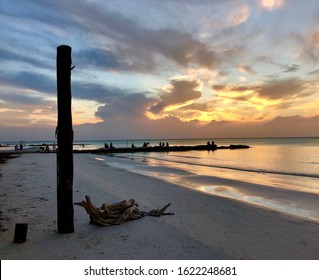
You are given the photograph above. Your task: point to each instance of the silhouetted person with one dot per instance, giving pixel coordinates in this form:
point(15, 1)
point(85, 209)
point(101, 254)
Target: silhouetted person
point(106, 146)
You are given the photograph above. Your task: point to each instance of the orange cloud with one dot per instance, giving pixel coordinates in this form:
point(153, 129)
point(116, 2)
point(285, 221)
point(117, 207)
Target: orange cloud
point(272, 4)
point(177, 95)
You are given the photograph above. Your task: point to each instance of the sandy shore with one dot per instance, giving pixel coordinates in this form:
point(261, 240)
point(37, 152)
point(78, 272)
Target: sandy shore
point(203, 227)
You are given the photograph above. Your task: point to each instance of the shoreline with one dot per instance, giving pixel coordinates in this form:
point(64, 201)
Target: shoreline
point(41, 148)
point(203, 227)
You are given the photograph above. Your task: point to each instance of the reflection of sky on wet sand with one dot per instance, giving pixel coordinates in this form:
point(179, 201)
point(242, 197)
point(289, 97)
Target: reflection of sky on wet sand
point(277, 192)
point(277, 205)
point(207, 164)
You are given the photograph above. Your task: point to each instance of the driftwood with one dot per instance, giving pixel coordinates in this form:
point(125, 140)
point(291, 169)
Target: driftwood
point(116, 214)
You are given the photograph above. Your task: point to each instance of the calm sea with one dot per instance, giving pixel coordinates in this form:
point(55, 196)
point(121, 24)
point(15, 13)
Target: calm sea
point(277, 173)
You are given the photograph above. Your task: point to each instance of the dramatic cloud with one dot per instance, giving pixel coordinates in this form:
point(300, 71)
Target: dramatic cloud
point(123, 107)
point(34, 81)
point(176, 95)
point(279, 89)
point(138, 45)
point(102, 58)
point(235, 67)
point(273, 89)
point(172, 127)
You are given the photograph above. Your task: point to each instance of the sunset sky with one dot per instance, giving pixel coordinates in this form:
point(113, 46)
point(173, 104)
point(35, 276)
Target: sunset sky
point(162, 68)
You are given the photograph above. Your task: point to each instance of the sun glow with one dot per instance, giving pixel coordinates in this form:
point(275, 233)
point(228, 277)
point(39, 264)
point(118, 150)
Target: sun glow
point(178, 106)
point(272, 4)
point(83, 111)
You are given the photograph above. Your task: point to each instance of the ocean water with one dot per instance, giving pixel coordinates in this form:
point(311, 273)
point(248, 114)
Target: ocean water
point(281, 174)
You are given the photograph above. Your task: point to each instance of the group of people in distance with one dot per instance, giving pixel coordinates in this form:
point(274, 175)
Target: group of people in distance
point(145, 144)
point(46, 148)
point(210, 144)
point(107, 146)
point(16, 147)
point(163, 144)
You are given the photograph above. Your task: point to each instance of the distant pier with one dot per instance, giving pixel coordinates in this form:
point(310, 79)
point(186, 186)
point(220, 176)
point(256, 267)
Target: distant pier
point(38, 148)
point(161, 149)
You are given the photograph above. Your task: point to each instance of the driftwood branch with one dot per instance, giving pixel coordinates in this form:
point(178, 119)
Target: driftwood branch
point(116, 214)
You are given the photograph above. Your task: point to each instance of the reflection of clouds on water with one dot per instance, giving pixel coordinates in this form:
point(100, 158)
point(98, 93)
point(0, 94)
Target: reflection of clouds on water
point(284, 206)
point(288, 194)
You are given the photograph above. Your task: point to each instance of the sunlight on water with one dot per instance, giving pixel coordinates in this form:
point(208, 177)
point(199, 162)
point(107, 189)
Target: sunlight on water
point(284, 206)
point(100, 159)
point(278, 175)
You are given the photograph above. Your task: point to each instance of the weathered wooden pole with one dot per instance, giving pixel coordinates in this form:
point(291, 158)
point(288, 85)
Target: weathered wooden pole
point(65, 142)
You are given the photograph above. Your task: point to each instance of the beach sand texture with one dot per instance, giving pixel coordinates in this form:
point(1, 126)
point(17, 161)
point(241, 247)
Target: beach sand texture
point(203, 227)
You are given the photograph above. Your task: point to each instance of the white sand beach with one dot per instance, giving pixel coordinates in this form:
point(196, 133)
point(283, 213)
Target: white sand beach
point(203, 227)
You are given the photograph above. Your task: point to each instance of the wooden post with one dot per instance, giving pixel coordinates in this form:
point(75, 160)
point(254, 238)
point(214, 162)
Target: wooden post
point(65, 142)
point(20, 233)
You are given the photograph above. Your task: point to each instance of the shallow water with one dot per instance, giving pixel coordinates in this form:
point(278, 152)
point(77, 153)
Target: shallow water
point(280, 174)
